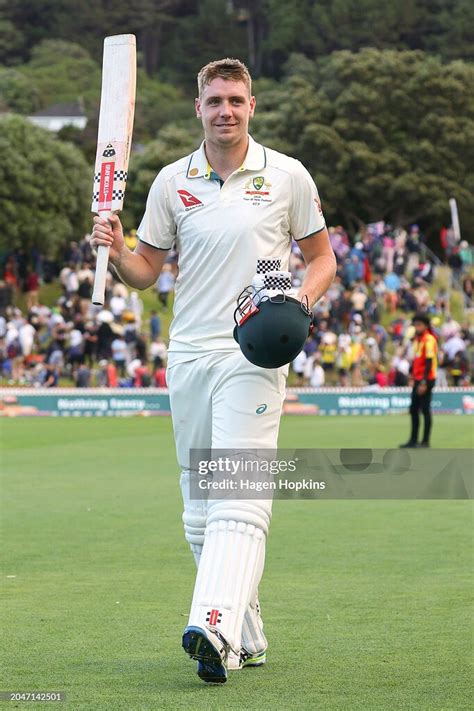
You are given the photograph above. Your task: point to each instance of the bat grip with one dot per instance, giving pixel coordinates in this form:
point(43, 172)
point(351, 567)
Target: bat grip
point(98, 294)
point(101, 264)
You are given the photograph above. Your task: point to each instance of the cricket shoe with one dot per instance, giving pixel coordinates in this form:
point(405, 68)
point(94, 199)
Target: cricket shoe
point(211, 650)
point(245, 659)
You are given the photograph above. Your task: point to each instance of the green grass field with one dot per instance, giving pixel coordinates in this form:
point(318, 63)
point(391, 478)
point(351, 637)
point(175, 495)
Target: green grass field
point(367, 603)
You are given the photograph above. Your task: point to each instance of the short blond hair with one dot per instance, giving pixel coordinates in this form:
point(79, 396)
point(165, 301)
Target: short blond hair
point(228, 68)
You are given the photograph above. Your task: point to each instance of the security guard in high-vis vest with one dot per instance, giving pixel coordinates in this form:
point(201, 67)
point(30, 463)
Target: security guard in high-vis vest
point(423, 372)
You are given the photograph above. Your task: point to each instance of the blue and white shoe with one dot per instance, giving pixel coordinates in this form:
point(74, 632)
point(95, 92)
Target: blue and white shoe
point(245, 659)
point(211, 651)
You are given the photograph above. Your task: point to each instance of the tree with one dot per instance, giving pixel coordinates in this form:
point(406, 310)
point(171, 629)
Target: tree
point(11, 42)
point(157, 104)
point(387, 135)
point(45, 188)
point(17, 92)
point(212, 34)
point(64, 72)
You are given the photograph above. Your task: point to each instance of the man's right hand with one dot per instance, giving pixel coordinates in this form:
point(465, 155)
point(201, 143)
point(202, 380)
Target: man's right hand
point(109, 233)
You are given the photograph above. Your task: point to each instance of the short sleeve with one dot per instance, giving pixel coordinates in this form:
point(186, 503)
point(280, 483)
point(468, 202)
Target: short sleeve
point(306, 215)
point(158, 227)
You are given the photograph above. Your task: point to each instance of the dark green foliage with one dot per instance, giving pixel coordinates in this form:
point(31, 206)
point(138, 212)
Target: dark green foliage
point(45, 187)
point(386, 134)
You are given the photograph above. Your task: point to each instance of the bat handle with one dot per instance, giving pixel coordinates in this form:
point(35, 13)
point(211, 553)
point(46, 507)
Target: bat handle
point(102, 261)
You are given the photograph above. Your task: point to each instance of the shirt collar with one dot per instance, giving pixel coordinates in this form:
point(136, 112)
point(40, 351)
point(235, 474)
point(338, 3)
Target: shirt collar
point(199, 167)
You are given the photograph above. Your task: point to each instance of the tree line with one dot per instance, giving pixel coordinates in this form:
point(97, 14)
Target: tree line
point(177, 36)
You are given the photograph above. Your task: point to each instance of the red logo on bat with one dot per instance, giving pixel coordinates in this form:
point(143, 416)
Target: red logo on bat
point(106, 184)
point(187, 199)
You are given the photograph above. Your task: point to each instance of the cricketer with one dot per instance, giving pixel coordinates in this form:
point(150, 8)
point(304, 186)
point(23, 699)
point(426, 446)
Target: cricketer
point(229, 206)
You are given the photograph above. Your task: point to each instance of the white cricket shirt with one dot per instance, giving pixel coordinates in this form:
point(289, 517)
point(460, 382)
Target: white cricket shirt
point(220, 232)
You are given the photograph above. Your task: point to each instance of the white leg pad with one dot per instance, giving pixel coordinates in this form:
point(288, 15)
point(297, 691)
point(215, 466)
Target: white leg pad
point(253, 638)
point(194, 517)
point(228, 573)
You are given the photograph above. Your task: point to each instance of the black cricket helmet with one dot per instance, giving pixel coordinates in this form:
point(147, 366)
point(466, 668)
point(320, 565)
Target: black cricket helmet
point(271, 332)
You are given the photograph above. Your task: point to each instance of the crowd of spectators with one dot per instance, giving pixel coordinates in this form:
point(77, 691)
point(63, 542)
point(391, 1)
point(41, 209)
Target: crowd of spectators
point(362, 327)
point(74, 342)
point(363, 333)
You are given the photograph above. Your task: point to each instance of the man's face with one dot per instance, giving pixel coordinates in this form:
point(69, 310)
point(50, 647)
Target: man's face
point(420, 328)
point(225, 109)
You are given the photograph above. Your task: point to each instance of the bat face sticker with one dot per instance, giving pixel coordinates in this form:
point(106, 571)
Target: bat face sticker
point(109, 151)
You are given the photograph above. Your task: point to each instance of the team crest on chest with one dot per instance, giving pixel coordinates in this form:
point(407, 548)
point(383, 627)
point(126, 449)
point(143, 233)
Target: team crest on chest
point(257, 190)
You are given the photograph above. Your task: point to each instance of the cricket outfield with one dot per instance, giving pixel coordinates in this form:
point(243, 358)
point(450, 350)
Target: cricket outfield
point(366, 603)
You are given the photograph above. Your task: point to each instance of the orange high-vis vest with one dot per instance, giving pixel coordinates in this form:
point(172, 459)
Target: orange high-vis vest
point(426, 346)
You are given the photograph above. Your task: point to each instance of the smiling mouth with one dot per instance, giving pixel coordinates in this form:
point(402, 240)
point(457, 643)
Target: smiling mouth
point(225, 125)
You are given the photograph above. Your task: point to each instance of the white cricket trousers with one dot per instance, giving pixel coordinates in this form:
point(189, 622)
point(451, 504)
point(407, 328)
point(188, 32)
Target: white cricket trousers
point(221, 401)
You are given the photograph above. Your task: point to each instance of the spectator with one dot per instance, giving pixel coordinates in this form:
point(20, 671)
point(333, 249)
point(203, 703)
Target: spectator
point(359, 300)
point(158, 352)
point(449, 328)
point(111, 373)
point(82, 376)
point(456, 263)
point(26, 337)
point(159, 375)
point(90, 342)
point(117, 306)
point(401, 366)
point(119, 354)
point(454, 345)
point(135, 306)
point(441, 375)
point(467, 288)
point(164, 285)
point(86, 279)
point(392, 284)
point(317, 377)
point(72, 282)
point(328, 350)
point(76, 348)
point(155, 325)
point(51, 376)
point(458, 368)
point(105, 336)
point(442, 301)
point(31, 288)
point(388, 251)
point(422, 296)
point(298, 366)
point(465, 252)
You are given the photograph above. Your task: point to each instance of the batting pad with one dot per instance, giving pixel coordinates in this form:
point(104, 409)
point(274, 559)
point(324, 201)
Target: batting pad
point(194, 516)
point(228, 574)
point(253, 638)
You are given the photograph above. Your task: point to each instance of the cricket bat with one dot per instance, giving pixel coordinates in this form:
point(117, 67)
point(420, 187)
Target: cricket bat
point(117, 106)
